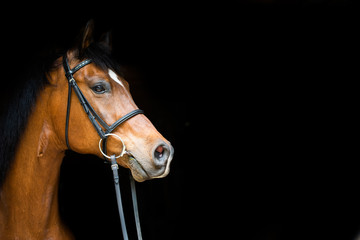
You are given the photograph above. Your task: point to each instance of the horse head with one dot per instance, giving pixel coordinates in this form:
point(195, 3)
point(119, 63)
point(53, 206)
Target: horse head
point(148, 153)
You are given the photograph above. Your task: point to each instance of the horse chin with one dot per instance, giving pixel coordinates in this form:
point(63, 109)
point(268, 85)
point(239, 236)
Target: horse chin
point(137, 171)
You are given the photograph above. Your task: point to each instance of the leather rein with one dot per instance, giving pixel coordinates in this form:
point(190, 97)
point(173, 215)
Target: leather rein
point(96, 121)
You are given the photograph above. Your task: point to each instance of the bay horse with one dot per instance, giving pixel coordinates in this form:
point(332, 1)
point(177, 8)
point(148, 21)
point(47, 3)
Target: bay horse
point(39, 127)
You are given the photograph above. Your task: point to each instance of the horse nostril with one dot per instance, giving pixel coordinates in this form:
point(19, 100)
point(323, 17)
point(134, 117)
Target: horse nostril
point(159, 151)
point(161, 154)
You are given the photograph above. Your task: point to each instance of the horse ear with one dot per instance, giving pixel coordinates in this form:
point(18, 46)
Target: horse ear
point(87, 35)
point(106, 40)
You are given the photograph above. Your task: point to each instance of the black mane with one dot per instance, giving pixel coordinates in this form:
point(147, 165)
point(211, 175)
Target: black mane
point(14, 118)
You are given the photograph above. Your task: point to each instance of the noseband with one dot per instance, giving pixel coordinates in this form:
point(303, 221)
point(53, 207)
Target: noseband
point(95, 119)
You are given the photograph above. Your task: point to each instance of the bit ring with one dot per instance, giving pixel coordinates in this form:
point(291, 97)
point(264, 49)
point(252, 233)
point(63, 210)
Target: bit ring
point(118, 137)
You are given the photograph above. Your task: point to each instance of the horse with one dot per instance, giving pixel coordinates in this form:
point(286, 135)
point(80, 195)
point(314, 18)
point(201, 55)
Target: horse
point(40, 126)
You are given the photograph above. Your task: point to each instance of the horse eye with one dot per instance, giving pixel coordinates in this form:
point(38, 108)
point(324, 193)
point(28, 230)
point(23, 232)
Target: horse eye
point(99, 89)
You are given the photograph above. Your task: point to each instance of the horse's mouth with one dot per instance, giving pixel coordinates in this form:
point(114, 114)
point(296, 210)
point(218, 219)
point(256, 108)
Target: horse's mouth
point(137, 170)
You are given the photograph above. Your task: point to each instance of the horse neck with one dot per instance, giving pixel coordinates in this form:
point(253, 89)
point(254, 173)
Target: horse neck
point(29, 196)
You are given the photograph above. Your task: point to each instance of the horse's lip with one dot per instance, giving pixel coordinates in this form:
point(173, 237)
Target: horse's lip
point(137, 170)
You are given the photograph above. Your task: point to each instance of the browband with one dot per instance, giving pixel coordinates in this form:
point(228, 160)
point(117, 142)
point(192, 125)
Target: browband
point(69, 72)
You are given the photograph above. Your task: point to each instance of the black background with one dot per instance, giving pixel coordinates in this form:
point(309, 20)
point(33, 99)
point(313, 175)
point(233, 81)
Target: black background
point(257, 98)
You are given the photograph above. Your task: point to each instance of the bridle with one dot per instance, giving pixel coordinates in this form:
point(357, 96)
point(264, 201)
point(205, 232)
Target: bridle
point(95, 119)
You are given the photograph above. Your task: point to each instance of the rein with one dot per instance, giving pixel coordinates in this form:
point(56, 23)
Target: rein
point(95, 119)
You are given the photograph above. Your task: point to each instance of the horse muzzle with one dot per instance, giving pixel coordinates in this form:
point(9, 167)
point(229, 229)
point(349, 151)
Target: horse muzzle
point(156, 167)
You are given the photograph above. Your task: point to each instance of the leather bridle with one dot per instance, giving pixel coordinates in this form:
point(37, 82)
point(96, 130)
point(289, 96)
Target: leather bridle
point(95, 119)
